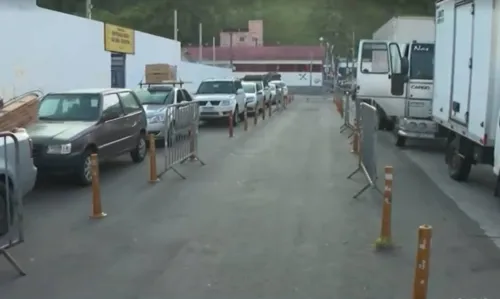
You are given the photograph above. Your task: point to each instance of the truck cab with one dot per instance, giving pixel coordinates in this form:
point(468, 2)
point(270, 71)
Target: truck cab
point(398, 80)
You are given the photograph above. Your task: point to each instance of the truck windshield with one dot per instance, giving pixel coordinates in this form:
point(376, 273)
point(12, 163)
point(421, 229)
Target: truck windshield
point(422, 62)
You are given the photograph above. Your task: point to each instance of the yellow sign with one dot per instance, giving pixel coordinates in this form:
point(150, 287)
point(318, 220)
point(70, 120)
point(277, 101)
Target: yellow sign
point(119, 39)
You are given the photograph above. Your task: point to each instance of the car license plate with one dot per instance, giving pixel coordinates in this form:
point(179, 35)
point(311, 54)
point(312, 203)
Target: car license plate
point(208, 108)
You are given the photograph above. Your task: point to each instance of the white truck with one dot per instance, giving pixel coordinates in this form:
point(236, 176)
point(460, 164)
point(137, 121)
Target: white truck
point(395, 73)
point(466, 83)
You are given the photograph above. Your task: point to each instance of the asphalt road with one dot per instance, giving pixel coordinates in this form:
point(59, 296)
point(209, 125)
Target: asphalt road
point(269, 216)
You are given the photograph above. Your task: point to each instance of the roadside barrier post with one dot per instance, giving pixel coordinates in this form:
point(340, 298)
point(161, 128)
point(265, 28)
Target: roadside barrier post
point(256, 114)
point(97, 212)
point(385, 239)
point(355, 139)
point(263, 110)
point(231, 129)
point(153, 174)
point(245, 118)
point(270, 109)
point(421, 279)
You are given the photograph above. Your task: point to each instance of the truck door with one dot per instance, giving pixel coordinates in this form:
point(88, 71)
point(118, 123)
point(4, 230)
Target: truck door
point(462, 63)
point(373, 70)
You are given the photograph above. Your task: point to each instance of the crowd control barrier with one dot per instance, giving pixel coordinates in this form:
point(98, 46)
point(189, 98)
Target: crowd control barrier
point(11, 205)
point(181, 139)
point(364, 122)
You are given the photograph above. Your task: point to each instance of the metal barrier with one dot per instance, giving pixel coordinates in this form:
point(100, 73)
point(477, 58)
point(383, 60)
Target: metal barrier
point(181, 136)
point(366, 131)
point(11, 205)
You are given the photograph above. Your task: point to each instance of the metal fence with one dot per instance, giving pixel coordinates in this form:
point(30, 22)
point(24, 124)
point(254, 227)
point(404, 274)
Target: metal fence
point(181, 135)
point(11, 212)
point(362, 119)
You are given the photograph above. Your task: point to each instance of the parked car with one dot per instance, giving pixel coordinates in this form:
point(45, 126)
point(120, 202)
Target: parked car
point(254, 96)
point(263, 80)
point(282, 85)
point(220, 98)
point(74, 124)
point(156, 98)
point(25, 174)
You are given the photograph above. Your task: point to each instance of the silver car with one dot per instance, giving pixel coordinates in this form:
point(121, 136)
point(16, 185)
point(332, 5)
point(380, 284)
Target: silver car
point(254, 97)
point(157, 101)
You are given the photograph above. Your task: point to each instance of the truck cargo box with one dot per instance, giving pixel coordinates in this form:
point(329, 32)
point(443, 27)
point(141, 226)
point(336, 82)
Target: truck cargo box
point(467, 68)
point(405, 29)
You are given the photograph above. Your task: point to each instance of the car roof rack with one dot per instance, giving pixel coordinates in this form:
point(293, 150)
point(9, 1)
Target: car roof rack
point(174, 83)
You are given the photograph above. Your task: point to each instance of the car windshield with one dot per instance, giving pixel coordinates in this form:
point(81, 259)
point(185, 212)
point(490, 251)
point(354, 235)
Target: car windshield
point(211, 87)
point(69, 107)
point(248, 88)
point(156, 96)
point(422, 62)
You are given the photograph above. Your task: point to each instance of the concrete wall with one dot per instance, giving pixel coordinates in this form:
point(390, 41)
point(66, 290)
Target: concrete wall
point(254, 37)
point(52, 51)
point(294, 79)
point(195, 73)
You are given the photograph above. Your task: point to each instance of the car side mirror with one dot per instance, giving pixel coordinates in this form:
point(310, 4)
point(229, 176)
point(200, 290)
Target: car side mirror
point(110, 116)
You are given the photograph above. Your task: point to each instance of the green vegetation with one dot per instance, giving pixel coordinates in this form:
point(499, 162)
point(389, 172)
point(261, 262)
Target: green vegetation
point(285, 21)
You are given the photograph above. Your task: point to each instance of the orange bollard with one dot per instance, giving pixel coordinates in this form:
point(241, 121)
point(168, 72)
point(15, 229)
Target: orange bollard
point(421, 279)
point(153, 176)
point(385, 239)
point(245, 119)
point(97, 212)
point(231, 129)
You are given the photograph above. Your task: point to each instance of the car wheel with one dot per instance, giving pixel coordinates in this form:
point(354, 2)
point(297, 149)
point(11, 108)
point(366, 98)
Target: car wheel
point(138, 154)
point(236, 118)
point(84, 172)
point(458, 167)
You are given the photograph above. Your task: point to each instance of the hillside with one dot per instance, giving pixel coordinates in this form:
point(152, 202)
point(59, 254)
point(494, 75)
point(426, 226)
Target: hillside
point(285, 21)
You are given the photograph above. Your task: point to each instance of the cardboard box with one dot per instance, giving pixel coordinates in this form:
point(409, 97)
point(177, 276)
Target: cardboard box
point(157, 73)
point(19, 113)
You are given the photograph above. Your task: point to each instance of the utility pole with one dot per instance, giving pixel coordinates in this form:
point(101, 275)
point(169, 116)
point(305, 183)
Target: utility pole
point(213, 50)
point(88, 9)
point(200, 43)
point(231, 49)
point(176, 31)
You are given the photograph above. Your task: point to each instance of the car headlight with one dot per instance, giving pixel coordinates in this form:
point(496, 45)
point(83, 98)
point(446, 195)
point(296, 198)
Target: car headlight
point(160, 118)
point(59, 149)
point(250, 99)
point(226, 103)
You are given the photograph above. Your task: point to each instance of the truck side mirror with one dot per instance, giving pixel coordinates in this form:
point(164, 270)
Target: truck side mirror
point(398, 84)
point(405, 65)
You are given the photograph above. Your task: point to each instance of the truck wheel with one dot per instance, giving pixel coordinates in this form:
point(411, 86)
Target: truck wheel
point(400, 141)
point(458, 167)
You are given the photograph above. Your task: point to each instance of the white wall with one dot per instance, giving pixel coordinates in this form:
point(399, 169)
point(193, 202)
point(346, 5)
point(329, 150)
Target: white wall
point(52, 51)
point(195, 73)
point(294, 79)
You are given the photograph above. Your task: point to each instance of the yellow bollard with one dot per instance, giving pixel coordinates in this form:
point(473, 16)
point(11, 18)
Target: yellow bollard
point(385, 239)
point(153, 175)
point(421, 279)
point(97, 212)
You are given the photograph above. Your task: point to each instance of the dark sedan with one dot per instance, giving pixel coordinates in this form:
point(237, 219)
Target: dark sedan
point(74, 124)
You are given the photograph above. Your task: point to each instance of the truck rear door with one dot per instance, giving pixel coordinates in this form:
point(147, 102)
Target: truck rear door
point(373, 70)
point(462, 63)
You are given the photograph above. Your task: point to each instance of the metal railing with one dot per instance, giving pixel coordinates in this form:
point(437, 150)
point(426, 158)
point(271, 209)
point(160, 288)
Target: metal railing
point(11, 205)
point(362, 119)
point(181, 134)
